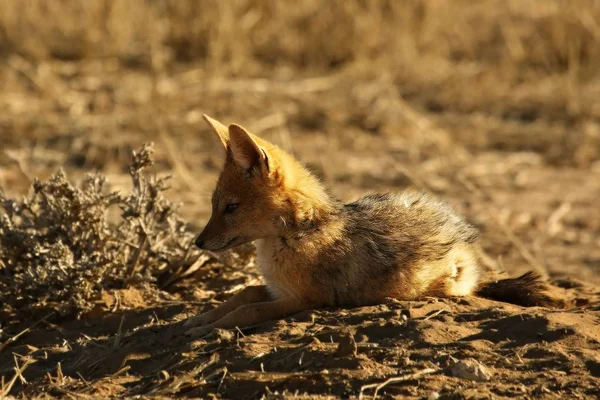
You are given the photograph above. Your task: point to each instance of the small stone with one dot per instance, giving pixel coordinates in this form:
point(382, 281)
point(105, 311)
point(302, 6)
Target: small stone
point(363, 339)
point(471, 369)
point(433, 396)
point(403, 314)
point(347, 346)
point(224, 335)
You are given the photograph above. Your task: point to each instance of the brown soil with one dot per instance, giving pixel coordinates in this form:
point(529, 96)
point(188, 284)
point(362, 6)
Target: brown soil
point(509, 145)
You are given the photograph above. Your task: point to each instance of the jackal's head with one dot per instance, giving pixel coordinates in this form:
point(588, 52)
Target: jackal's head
point(261, 190)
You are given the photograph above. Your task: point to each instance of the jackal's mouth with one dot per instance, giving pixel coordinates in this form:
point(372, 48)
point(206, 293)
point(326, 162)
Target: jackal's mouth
point(229, 244)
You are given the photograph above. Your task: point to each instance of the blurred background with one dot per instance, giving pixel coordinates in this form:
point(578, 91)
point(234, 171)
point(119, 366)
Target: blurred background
point(490, 104)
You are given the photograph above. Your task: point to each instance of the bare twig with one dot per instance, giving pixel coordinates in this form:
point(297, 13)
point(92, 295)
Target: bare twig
point(403, 378)
point(18, 374)
point(138, 253)
point(176, 384)
point(121, 371)
point(119, 335)
point(24, 331)
point(225, 370)
point(434, 314)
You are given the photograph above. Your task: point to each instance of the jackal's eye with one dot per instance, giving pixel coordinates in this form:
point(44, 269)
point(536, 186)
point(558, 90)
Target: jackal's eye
point(231, 207)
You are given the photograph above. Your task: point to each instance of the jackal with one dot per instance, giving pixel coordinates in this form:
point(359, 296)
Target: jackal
point(315, 251)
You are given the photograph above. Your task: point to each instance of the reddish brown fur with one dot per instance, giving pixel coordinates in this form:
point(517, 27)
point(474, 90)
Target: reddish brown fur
point(315, 251)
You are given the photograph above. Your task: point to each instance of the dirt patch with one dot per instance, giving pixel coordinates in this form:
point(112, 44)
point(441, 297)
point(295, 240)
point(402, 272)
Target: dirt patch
point(143, 351)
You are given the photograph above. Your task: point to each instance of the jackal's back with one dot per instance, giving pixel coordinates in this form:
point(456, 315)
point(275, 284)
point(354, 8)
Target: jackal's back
point(404, 246)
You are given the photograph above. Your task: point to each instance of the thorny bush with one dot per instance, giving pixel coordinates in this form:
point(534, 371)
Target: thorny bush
point(60, 248)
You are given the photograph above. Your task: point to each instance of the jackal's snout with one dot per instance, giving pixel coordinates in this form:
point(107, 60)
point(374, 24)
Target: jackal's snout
point(200, 241)
point(209, 238)
point(218, 235)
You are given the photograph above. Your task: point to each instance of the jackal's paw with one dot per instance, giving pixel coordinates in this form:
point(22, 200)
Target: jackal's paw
point(198, 320)
point(199, 332)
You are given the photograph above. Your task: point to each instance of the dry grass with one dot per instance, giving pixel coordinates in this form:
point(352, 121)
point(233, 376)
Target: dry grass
point(439, 41)
point(506, 60)
point(545, 36)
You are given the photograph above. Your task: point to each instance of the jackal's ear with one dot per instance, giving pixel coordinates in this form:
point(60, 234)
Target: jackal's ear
point(246, 152)
point(220, 129)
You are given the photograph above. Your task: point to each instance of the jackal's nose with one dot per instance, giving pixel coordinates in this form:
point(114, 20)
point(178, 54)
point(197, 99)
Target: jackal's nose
point(199, 242)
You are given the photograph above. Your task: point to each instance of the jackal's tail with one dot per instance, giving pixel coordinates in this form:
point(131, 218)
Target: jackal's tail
point(528, 290)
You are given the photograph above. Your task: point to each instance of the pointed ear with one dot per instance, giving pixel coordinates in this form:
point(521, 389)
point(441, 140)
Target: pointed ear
point(218, 128)
point(246, 152)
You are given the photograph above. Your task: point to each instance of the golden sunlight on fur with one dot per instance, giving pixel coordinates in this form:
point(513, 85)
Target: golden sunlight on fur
point(315, 251)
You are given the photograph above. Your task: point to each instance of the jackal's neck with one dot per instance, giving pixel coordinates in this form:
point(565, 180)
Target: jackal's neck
point(311, 204)
point(312, 207)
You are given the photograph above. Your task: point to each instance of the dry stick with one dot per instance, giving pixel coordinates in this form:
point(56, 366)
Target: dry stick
point(293, 353)
point(403, 378)
point(24, 331)
point(176, 384)
point(175, 275)
point(59, 374)
point(214, 373)
point(225, 370)
point(180, 273)
point(117, 302)
point(239, 331)
point(525, 253)
point(433, 315)
point(93, 366)
point(18, 374)
point(122, 370)
point(137, 254)
point(70, 393)
point(119, 335)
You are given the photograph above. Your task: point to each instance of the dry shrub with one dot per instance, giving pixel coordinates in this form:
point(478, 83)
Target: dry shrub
point(60, 248)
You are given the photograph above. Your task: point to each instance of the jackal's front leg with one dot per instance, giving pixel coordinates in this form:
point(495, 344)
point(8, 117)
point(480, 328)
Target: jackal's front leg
point(248, 295)
point(252, 314)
